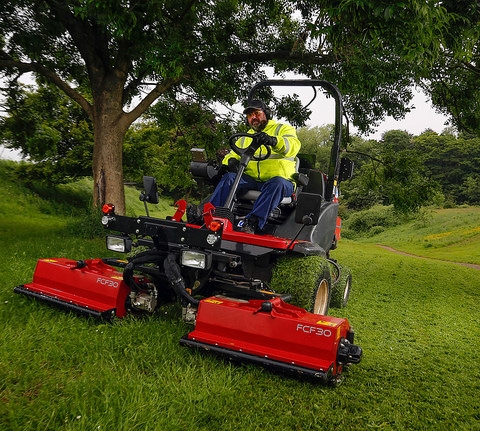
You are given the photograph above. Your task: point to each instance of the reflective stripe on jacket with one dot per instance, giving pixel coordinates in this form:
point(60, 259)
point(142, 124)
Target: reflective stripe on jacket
point(282, 159)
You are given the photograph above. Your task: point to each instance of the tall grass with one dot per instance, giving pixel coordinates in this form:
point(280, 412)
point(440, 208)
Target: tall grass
point(416, 319)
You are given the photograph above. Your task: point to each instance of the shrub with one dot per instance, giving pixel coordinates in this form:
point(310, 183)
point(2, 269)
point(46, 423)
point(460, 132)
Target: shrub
point(375, 230)
point(371, 221)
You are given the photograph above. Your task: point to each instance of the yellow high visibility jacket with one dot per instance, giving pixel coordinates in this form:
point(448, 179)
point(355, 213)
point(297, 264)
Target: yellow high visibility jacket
point(282, 159)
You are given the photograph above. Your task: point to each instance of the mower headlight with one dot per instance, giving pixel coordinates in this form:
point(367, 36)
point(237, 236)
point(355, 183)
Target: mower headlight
point(196, 259)
point(122, 244)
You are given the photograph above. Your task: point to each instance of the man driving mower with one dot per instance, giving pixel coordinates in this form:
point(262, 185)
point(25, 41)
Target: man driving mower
point(273, 176)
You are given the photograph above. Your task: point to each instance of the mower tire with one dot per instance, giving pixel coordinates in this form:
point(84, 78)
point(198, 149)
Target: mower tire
point(341, 288)
point(306, 278)
point(322, 290)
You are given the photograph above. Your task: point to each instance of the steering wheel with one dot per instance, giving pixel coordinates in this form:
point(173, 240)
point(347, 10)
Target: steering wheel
point(241, 151)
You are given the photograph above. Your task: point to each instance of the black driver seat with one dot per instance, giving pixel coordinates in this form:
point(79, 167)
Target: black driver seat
point(244, 203)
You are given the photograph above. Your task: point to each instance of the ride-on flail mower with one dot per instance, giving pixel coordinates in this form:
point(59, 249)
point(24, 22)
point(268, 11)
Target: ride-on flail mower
point(261, 298)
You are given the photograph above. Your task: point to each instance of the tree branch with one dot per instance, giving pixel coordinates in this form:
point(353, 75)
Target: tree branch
point(7, 62)
point(373, 159)
point(84, 36)
point(471, 67)
point(153, 95)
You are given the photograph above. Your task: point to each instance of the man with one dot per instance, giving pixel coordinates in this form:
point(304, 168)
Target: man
point(273, 176)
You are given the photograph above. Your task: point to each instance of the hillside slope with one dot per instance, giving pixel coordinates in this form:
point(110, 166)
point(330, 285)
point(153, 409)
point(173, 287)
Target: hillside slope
point(445, 234)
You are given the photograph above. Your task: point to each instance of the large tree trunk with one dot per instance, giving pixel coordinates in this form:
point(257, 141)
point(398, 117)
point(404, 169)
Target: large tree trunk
point(110, 127)
point(107, 169)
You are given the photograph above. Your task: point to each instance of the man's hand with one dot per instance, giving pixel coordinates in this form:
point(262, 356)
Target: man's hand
point(221, 172)
point(233, 165)
point(263, 139)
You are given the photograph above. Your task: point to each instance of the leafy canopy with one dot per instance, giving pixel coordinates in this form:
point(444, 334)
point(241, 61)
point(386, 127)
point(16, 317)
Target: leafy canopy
point(215, 49)
point(454, 79)
point(116, 58)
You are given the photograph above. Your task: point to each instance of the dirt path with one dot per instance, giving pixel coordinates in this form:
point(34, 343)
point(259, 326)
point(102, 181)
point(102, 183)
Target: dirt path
point(469, 265)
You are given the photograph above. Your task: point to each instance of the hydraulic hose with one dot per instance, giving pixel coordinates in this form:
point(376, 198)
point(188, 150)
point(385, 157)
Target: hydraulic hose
point(170, 266)
point(174, 276)
point(140, 259)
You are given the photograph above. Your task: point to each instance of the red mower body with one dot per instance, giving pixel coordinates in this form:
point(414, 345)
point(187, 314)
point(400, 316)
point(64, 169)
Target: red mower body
point(86, 286)
point(274, 333)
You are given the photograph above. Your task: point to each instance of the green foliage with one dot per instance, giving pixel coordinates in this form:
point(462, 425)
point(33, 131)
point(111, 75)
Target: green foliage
point(181, 126)
point(370, 222)
point(142, 152)
point(471, 188)
point(366, 35)
point(453, 81)
point(293, 108)
point(403, 180)
point(51, 130)
point(318, 141)
point(390, 172)
point(454, 162)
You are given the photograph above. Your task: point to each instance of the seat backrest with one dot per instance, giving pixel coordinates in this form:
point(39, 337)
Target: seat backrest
point(316, 182)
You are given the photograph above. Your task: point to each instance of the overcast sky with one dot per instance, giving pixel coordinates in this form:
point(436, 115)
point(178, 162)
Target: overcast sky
point(417, 121)
point(421, 118)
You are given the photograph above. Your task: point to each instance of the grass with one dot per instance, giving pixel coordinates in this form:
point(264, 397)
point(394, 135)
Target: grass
point(416, 319)
point(445, 234)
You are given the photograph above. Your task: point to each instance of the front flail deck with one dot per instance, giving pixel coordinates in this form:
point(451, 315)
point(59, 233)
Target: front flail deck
point(274, 333)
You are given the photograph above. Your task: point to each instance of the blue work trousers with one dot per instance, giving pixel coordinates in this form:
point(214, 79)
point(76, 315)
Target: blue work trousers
point(272, 193)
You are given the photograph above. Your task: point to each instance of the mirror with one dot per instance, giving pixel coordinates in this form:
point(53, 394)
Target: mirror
point(150, 194)
point(346, 169)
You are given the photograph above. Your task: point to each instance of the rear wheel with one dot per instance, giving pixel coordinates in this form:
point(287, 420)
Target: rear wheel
point(307, 279)
point(341, 288)
point(321, 294)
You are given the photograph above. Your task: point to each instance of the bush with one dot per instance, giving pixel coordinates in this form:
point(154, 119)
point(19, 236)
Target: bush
point(375, 230)
point(371, 221)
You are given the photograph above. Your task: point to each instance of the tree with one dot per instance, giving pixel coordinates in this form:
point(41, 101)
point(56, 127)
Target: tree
point(116, 58)
point(385, 42)
point(454, 79)
point(389, 172)
point(453, 162)
point(403, 182)
point(52, 130)
point(160, 145)
point(318, 142)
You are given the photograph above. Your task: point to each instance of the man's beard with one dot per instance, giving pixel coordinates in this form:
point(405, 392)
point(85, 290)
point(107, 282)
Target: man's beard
point(260, 126)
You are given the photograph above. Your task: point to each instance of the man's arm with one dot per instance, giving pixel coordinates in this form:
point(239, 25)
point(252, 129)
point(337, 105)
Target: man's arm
point(288, 143)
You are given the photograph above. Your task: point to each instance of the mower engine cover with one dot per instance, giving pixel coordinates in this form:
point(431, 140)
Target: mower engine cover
point(275, 333)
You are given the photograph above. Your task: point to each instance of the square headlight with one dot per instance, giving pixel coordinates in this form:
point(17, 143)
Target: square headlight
point(121, 244)
point(196, 259)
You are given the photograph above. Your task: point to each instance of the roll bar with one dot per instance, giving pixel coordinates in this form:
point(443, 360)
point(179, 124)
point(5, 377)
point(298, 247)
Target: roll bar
point(334, 164)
